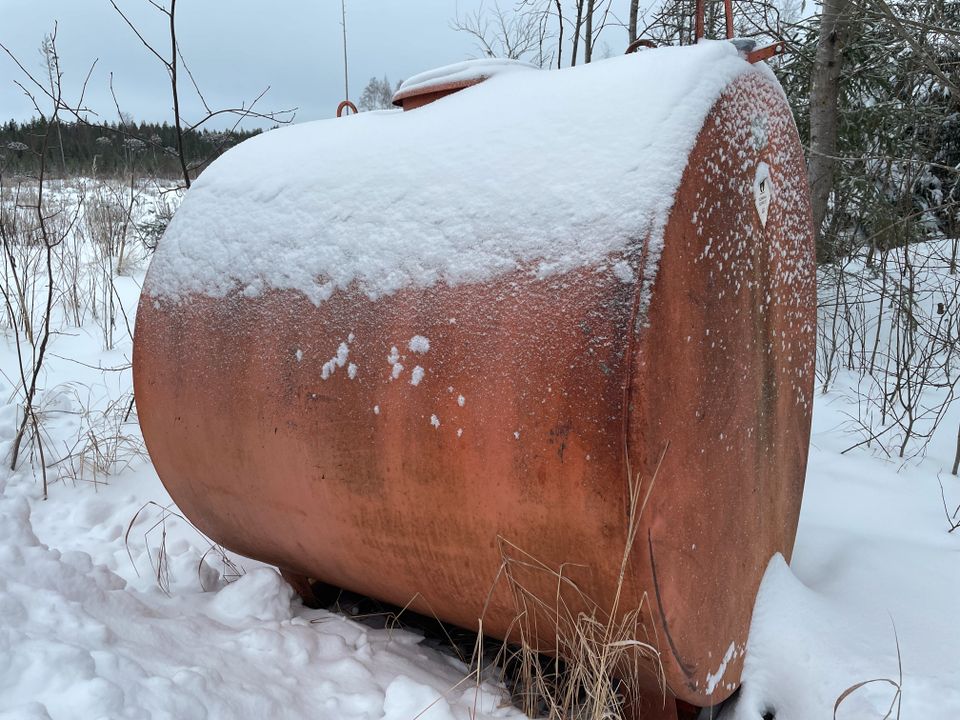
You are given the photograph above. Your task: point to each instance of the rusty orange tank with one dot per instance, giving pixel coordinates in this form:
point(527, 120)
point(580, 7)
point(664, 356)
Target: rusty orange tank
point(426, 355)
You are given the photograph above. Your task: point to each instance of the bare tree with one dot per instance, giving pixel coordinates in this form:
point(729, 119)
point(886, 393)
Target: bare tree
point(50, 61)
point(588, 32)
point(172, 62)
point(499, 33)
point(956, 458)
point(824, 111)
point(523, 32)
point(577, 25)
point(50, 237)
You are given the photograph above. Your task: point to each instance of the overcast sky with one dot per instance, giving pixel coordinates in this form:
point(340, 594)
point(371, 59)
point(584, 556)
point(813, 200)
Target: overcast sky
point(236, 48)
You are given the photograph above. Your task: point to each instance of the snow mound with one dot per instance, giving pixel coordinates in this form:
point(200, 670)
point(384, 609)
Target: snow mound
point(537, 171)
point(407, 699)
point(871, 591)
point(261, 594)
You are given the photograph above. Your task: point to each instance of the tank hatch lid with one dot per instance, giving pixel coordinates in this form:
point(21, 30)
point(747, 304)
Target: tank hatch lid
point(433, 84)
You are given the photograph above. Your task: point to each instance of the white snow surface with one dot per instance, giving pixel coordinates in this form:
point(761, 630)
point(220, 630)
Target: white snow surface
point(82, 636)
point(874, 566)
point(465, 71)
point(542, 171)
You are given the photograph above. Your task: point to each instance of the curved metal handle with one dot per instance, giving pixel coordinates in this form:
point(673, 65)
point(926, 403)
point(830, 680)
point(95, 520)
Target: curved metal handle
point(728, 15)
point(639, 43)
point(346, 104)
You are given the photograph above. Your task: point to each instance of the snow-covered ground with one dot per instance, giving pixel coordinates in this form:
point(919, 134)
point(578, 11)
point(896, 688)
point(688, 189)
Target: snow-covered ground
point(874, 566)
point(112, 606)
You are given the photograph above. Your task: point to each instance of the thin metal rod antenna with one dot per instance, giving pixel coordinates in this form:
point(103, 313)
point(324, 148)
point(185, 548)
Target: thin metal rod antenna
point(343, 17)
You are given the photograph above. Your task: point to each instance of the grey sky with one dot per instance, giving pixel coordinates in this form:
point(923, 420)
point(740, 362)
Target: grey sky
point(237, 48)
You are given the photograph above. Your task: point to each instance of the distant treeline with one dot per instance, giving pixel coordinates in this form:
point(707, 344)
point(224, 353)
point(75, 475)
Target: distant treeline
point(109, 149)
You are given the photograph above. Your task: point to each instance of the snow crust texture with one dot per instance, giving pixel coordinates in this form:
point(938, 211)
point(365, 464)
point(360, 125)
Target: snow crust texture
point(79, 640)
point(538, 171)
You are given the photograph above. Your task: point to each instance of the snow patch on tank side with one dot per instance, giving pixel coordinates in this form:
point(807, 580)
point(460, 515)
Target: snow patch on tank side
point(419, 344)
point(337, 361)
point(714, 678)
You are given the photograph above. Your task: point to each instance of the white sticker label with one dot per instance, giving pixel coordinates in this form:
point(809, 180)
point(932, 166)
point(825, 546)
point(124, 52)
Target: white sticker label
point(762, 192)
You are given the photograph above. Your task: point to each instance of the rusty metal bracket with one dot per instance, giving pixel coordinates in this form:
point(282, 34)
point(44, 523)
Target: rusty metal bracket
point(767, 52)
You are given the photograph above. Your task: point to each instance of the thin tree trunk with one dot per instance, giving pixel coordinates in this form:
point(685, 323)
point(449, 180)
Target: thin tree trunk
point(63, 157)
point(632, 25)
point(576, 31)
point(560, 26)
point(29, 410)
point(956, 458)
point(824, 94)
point(588, 33)
point(176, 95)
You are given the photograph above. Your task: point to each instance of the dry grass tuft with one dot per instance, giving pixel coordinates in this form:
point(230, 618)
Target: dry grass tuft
point(601, 658)
point(157, 549)
point(893, 712)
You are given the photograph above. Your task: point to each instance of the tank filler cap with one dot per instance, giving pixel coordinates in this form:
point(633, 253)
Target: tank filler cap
point(434, 84)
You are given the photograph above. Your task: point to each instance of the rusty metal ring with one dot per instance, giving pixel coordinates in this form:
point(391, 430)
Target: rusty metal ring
point(344, 105)
point(639, 43)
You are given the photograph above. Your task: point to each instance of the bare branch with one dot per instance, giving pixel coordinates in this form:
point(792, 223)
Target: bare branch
point(142, 39)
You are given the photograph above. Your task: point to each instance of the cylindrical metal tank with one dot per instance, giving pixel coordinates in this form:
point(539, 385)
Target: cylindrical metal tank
point(501, 454)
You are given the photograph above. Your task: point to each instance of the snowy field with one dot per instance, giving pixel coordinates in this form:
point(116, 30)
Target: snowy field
point(112, 606)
